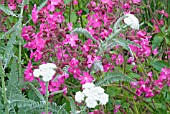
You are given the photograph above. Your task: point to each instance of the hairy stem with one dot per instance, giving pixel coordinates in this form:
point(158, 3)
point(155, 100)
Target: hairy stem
point(46, 100)
point(2, 73)
point(20, 40)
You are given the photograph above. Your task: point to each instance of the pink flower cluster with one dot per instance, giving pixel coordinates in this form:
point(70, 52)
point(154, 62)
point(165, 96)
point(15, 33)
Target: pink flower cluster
point(151, 87)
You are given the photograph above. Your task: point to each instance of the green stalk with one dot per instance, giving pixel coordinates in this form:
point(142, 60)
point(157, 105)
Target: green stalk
point(137, 112)
point(20, 40)
point(2, 73)
point(81, 20)
point(144, 71)
point(46, 100)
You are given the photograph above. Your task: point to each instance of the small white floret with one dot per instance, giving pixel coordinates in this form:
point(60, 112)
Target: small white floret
point(37, 73)
point(79, 97)
point(88, 85)
point(91, 103)
point(104, 98)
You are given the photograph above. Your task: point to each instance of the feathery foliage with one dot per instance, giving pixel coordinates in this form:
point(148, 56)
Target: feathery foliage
point(111, 77)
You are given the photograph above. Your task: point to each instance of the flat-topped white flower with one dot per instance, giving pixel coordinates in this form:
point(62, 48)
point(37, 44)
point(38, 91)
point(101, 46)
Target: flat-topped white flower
point(132, 21)
point(46, 71)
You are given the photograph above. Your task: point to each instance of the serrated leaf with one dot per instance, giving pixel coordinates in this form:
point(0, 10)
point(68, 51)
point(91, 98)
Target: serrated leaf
point(73, 17)
point(134, 75)
point(42, 5)
point(111, 77)
point(156, 42)
point(14, 28)
point(37, 92)
point(13, 78)
point(158, 65)
point(67, 1)
point(117, 24)
point(84, 32)
point(7, 10)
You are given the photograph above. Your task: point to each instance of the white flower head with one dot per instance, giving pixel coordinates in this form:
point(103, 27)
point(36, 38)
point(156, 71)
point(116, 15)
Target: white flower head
point(79, 97)
point(103, 98)
point(91, 103)
point(88, 85)
point(37, 73)
point(46, 71)
point(132, 21)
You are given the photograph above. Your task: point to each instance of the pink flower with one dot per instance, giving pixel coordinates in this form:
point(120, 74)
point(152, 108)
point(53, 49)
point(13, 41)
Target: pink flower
point(75, 2)
point(116, 109)
point(58, 16)
point(126, 6)
point(35, 14)
point(86, 78)
point(12, 6)
point(105, 1)
point(37, 55)
point(135, 1)
point(70, 26)
point(119, 60)
point(74, 62)
point(75, 71)
point(55, 2)
point(71, 39)
point(28, 73)
point(155, 51)
point(19, 1)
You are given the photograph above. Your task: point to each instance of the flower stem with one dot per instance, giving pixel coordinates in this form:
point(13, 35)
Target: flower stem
point(3, 87)
point(20, 40)
point(46, 100)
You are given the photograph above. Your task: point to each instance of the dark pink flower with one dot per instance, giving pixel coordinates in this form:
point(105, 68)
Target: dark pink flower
point(136, 1)
point(155, 51)
point(86, 78)
point(12, 6)
point(71, 39)
point(105, 1)
point(119, 59)
point(35, 14)
point(116, 108)
point(28, 73)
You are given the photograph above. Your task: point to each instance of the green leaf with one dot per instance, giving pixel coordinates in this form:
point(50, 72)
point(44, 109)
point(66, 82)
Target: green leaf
point(67, 1)
point(158, 65)
point(42, 5)
point(72, 105)
point(111, 77)
point(134, 75)
point(7, 10)
point(117, 24)
point(14, 28)
point(84, 32)
point(156, 42)
point(73, 17)
point(13, 78)
point(113, 91)
point(36, 92)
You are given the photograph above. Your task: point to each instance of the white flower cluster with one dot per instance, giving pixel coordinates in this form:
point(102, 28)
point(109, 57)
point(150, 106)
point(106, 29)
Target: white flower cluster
point(93, 95)
point(46, 71)
point(132, 21)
